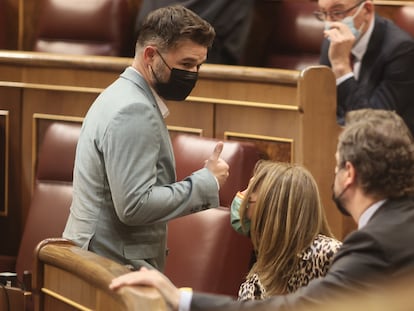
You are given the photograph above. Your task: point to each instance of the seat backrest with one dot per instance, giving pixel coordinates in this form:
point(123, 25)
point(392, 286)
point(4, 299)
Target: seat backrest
point(191, 151)
point(52, 193)
point(404, 18)
point(93, 27)
point(204, 250)
point(284, 34)
point(297, 36)
point(205, 253)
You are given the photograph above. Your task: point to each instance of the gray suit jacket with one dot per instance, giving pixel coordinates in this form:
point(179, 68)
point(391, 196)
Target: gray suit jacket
point(369, 257)
point(124, 186)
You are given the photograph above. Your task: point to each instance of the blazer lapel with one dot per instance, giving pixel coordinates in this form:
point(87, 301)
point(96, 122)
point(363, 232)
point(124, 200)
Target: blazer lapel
point(374, 45)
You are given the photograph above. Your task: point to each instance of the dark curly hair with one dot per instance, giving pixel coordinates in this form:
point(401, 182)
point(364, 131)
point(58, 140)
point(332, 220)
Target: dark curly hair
point(380, 147)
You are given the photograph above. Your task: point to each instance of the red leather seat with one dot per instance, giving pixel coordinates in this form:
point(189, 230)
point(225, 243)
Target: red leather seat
point(3, 24)
point(52, 194)
point(290, 36)
point(205, 252)
point(297, 36)
point(404, 18)
point(94, 27)
point(191, 151)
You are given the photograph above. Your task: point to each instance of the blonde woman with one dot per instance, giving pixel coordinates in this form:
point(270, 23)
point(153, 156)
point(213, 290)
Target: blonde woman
point(282, 213)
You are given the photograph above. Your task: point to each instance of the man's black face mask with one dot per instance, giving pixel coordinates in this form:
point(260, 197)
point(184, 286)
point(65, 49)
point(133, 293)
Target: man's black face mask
point(338, 200)
point(179, 86)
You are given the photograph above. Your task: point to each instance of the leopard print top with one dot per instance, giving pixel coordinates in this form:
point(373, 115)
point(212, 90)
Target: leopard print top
point(316, 260)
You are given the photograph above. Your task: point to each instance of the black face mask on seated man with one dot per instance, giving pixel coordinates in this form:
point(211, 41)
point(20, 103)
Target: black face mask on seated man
point(179, 86)
point(338, 201)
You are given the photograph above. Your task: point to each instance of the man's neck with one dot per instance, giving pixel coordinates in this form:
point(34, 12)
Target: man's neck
point(360, 203)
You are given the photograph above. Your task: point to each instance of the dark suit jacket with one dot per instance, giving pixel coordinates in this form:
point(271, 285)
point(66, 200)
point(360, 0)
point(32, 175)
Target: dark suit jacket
point(381, 250)
point(386, 79)
point(231, 20)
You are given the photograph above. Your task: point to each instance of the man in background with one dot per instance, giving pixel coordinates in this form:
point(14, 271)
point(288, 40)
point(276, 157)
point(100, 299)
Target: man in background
point(372, 59)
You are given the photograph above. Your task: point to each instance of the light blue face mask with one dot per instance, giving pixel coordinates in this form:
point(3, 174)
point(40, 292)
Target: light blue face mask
point(235, 216)
point(349, 21)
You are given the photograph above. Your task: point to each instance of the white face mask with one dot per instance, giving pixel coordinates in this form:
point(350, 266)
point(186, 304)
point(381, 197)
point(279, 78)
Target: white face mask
point(349, 21)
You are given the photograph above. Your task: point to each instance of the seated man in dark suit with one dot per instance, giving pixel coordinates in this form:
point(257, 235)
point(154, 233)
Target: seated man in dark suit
point(382, 73)
point(230, 19)
point(374, 183)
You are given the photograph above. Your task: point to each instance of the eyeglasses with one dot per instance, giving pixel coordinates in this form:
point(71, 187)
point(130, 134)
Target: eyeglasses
point(335, 15)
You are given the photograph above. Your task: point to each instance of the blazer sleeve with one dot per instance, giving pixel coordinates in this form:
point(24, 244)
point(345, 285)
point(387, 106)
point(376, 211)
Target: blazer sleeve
point(140, 171)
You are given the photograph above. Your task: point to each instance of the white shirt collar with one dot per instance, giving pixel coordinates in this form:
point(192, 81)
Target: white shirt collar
point(161, 104)
point(367, 214)
point(361, 46)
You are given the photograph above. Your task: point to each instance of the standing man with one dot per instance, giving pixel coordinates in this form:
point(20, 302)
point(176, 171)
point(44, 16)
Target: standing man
point(372, 59)
point(124, 186)
point(374, 183)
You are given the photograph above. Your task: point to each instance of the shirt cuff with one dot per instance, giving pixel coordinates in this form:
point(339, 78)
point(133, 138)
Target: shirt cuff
point(186, 294)
point(344, 77)
point(217, 182)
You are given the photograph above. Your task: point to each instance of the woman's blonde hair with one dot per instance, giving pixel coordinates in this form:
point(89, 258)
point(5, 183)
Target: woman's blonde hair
point(287, 217)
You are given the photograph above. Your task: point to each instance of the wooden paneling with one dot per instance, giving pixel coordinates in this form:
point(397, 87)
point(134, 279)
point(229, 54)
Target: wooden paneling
point(13, 298)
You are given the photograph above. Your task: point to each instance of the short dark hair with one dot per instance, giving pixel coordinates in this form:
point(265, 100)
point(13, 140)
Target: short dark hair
point(380, 147)
point(167, 26)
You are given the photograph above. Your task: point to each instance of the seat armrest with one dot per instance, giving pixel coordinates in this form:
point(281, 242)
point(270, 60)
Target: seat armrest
point(66, 270)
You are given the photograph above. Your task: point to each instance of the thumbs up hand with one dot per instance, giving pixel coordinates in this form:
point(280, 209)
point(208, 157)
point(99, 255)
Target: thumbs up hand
point(217, 165)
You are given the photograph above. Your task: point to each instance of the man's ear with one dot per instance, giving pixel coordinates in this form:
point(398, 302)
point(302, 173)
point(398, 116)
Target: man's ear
point(369, 7)
point(149, 53)
point(350, 175)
